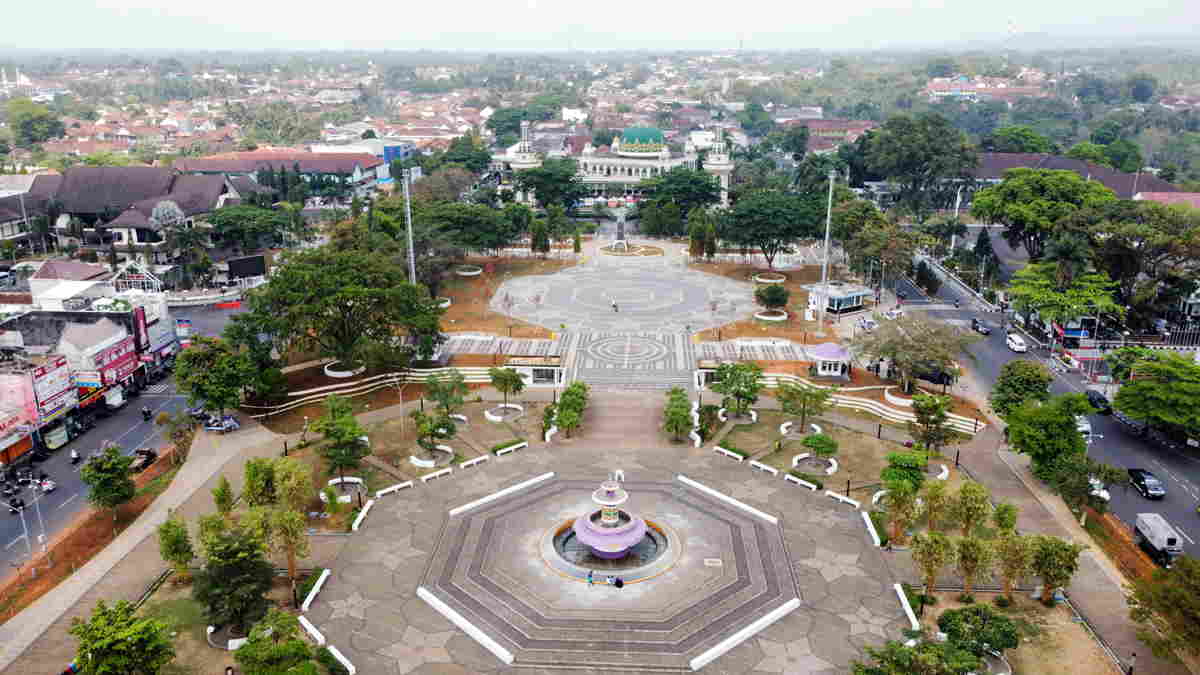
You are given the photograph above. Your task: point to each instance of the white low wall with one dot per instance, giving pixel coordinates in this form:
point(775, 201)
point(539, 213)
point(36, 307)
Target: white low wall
point(465, 626)
point(362, 515)
point(316, 635)
point(727, 499)
point(312, 595)
point(502, 493)
point(743, 634)
point(393, 488)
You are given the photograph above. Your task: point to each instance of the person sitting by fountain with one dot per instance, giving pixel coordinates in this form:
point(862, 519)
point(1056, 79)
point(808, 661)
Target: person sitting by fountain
point(611, 580)
point(619, 583)
point(591, 578)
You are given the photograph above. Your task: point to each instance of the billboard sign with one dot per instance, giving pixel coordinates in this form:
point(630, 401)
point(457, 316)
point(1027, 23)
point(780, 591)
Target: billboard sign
point(141, 339)
point(183, 327)
point(52, 386)
point(88, 378)
point(117, 362)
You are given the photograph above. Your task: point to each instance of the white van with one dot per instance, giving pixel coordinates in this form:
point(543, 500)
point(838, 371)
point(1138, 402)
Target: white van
point(1016, 343)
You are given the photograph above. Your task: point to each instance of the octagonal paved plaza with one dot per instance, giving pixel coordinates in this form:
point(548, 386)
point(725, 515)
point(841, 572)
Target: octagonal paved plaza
point(651, 294)
point(815, 566)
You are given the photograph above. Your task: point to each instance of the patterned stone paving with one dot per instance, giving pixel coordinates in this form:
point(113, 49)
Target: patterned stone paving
point(370, 611)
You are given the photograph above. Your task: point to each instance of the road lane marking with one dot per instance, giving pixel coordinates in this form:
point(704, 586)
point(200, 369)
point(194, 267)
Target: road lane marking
point(13, 542)
point(68, 500)
point(1180, 531)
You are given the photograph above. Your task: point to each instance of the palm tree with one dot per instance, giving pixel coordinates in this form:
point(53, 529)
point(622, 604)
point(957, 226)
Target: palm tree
point(1070, 253)
point(191, 244)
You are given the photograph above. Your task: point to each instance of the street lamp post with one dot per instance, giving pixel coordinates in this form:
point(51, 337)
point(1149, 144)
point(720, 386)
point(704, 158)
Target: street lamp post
point(412, 260)
point(825, 259)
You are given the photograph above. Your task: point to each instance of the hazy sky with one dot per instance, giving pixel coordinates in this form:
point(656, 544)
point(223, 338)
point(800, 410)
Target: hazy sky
point(551, 24)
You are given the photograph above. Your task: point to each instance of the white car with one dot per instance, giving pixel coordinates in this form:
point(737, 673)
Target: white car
point(1099, 491)
point(868, 325)
point(1082, 425)
point(893, 314)
point(1016, 343)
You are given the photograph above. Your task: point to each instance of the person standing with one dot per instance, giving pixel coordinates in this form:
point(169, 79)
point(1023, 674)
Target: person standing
point(590, 578)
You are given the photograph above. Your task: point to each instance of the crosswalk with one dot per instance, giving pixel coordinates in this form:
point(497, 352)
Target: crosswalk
point(157, 388)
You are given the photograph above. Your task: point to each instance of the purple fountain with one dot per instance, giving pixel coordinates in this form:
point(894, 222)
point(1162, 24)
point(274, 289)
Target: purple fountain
point(608, 531)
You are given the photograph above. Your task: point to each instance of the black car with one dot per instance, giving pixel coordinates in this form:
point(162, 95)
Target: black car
point(931, 373)
point(1099, 402)
point(1130, 425)
point(980, 327)
point(1147, 484)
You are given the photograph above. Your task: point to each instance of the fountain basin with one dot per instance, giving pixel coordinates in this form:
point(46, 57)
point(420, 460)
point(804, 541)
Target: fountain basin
point(609, 542)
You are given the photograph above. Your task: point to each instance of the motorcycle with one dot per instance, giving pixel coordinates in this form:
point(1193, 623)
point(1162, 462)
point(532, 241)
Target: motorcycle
point(16, 505)
point(199, 414)
point(74, 457)
point(223, 425)
point(47, 485)
point(146, 413)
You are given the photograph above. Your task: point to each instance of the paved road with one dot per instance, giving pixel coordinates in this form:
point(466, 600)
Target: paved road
point(125, 428)
point(1111, 444)
point(59, 507)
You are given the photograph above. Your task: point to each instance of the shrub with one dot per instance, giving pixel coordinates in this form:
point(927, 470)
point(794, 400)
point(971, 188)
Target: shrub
point(879, 520)
point(504, 444)
point(326, 658)
point(906, 466)
point(1002, 601)
point(306, 585)
point(808, 477)
point(734, 449)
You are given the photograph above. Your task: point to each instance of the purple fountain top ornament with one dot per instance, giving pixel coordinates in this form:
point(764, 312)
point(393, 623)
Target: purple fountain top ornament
point(609, 531)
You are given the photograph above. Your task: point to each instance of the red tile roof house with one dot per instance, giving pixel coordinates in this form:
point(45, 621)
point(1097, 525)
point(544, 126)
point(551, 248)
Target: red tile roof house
point(1191, 199)
point(363, 171)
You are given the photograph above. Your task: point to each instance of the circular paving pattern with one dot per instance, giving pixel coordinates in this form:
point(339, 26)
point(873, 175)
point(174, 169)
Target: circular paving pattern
point(627, 349)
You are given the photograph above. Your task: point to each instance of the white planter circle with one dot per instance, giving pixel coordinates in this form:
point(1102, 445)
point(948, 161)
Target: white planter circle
point(348, 480)
point(421, 463)
point(468, 270)
point(491, 417)
point(764, 316)
point(330, 371)
point(896, 400)
point(759, 278)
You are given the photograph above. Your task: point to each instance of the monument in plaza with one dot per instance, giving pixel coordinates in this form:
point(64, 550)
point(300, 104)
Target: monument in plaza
point(609, 532)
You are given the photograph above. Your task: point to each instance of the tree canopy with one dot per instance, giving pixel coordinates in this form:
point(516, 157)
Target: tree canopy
point(1031, 202)
point(686, 188)
point(1020, 138)
point(554, 182)
point(1167, 608)
point(919, 154)
point(339, 303)
point(1164, 392)
point(213, 373)
point(1020, 381)
point(770, 222)
point(911, 341)
point(1047, 431)
point(114, 640)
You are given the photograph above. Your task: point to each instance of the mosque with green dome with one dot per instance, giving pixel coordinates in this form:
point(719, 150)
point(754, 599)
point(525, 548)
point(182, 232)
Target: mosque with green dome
point(615, 172)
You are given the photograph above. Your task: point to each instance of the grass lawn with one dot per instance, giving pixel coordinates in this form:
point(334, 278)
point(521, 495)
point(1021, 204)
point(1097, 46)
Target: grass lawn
point(173, 605)
point(1051, 642)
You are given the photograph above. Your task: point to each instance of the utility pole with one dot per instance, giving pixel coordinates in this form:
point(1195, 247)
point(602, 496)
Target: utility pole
point(825, 260)
point(412, 260)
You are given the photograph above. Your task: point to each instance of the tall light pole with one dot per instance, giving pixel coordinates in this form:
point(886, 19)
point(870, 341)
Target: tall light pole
point(412, 260)
point(825, 260)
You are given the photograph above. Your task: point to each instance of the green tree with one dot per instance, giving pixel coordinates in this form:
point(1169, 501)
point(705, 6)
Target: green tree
point(937, 501)
point(1124, 154)
point(739, 382)
point(677, 414)
point(670, 220)
point(293, 481)
point(908, 467)
point(911, 341)
point(1142, 87)
point(554, 182)
point(1123, 361)
point(448, 390)
point(1055, 560)
point(971, 506)
point(223, 497)
point(275, 647)
point(772, 296)
point(109, 481)
point(175, 546)
point(539, 238)
point(1047, 431)
point(1004, 517)
point(901, 503)
point(337, 303)
point(931, 428)
point(1037, 288)
point(686, 188)
point(1165, 393)
point(924, 658)
point(576, 242)
point(568, 420)
point(931, 552)
point(1071, 477)
point(32, 123)
point(822, 445)
point(804, 401)
point(1029, 203)
point(289, 535)
point(770, 222)
point(888, 244)
point(341, 429)
point(973, 560)
point(794, 141)
point(979, 629)
point(1014, 560)
point(1020, 138)
point(235, 580)
point(506, 381)
point(1089, 152)
point(710, 241)
point(212, 372)
point(1020, 381)
point(1167, 608)
point(116, 641)
point(259, 488)
point(922, 156)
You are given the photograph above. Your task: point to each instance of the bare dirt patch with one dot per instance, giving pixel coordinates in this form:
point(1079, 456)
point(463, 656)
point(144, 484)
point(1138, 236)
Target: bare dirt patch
point(1051, 642)
point(469, 311)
